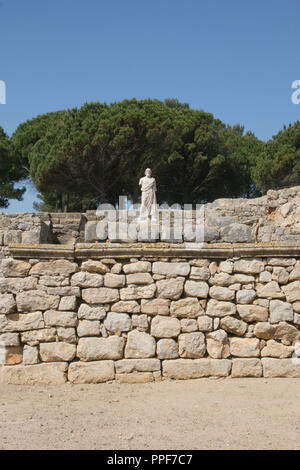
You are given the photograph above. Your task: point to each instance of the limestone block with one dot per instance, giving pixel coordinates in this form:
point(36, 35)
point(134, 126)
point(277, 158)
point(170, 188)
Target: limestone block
point(115, 322)
point(88, 312)
point(114, 280)
point(88, 328)
point(59, 318)
point(195, 368)
point(126, 366)
point(170, 288)
point(156, 306)
point(68, 303)
point(139, 278)
point(292, 291)
point(246, 368)
point(21, 322)
point(10, 339)
point(171, 269)
point(57, 352)
point(138, 267)
point(280, 367)
point(245, 296)
point(205, 323)
point(233, 325)
point(221, 293)
point(67, 335)
point(50, 268)
point(7, 304)
point(94, 349)
point(270, 290)
point(95, 267)
point(86, 279)
point(140, 345)
point(30, 355)
point(191, 345)
point(217, 308)
point(244, 347)
point(123, 306)
point(196, 289)
point(248, 266)
point(167, 349)
point(188, 307)
point(250, 313)
point(200, 273)
point(10, 267)
point(41, 374)
point(275, 349)
point(91, 372)
point(218, 344)
point(280, 311)
point(188, 325)
point(165, 327)
point(36, 300)
point(102, 295)
point(34, 337)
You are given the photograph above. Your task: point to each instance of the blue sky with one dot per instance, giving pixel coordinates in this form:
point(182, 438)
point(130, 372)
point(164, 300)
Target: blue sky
point(236, 59)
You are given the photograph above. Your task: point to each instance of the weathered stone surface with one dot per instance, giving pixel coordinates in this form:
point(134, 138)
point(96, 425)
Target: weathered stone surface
point(196, 289)
point(123, 306)
point(236, 233)
point(36, 300)
point(117, 322)
point(67, 335)
point(226, 267)
point(233, 325)
point(270, 290)
point(138, 292)
point(280, 311)
point(138, 267)
point(57, 352)
point(222, 279)
point(196, 368)
point(275, 349)
point(13, 355)
point(10, 339)
point(244, 347)
point(245, 296)
point(135, 377)
point(68, 303)
point(139, 278)
point(191, 345)
point(188, 307)
point(7, 303)
point(35, 337)
point(217, 308)
point(10, 267)
point(59, 318)
point(280, 275)
point(41, 374)
point(91, 372)
point(243, 279)
point(286, 332)
point(21, 322)
point(246, 368)
point(64, 291)
point(292, 291)
point(114, 280)
point(86, 279)
point(116, 268)
point(94, 267)
point(295, 273)
point(265, 276)
point(156, 306)
point(167, 349)
point(102, 295)
point(50, 268)
point(200, 273)
point(88, 312)
point(170, 288)
point(88, 328)
point(126, 366)
point(251, 313)
point(218, 344)
point(248, 266)
point(221, 293)
point(54, 281)
point(264, 330)
point(280, 367)
point(281, 261)
point(165, 327)
point(140, 322)
point(94, 349)
point(188, 325)
point(139, 345)
point(205, 323)
point(30, 355)
point(15, 285)
point(171, 269)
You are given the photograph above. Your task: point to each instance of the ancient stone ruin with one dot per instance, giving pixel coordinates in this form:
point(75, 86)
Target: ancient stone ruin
point(86, 308)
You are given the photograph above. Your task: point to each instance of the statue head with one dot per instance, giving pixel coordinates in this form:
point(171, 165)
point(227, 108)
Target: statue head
point(148, 172)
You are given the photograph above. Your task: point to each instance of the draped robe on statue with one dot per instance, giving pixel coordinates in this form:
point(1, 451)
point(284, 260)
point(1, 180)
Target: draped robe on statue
point(148, 207)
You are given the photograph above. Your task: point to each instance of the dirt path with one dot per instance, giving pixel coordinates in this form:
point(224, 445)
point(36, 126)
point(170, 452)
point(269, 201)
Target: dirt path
point(195, 414)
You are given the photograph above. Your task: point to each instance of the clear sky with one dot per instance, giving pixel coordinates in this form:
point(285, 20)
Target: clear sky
point(236, 58)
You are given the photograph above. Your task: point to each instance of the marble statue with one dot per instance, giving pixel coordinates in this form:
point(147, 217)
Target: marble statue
point(148, 188)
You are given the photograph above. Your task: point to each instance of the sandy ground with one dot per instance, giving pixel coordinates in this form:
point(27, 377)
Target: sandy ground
point(194, 414)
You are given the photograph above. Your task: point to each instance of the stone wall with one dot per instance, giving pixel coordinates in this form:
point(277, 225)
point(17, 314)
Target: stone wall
point(94, 313)
point(274, 217)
